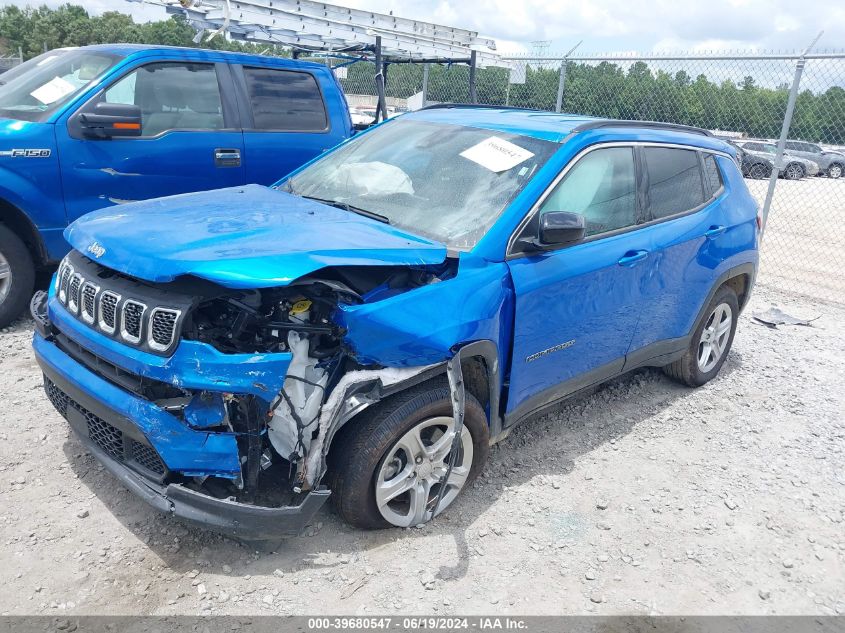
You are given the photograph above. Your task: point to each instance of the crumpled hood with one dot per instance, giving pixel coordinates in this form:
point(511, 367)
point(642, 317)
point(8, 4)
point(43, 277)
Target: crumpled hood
point(241, 237)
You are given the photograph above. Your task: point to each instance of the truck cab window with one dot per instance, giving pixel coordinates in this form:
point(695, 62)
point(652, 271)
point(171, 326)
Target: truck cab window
point(172, 96)
point(284, 100)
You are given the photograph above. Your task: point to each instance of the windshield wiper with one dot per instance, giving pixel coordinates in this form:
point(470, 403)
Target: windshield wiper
point(348, 207)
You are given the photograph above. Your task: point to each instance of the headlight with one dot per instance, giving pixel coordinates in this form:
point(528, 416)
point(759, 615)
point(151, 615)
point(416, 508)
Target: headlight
point(63, 272)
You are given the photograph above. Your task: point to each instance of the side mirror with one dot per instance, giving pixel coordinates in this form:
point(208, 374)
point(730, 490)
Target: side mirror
point(111, 119)
point(561, 227)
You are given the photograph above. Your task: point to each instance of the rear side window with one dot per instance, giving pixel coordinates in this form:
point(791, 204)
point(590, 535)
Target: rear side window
point(712, 176)
point(674, 181)
point(285, 100)
point(795, 146)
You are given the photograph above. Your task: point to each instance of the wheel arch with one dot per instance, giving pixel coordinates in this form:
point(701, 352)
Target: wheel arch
point(16, 220)
point(740, 279)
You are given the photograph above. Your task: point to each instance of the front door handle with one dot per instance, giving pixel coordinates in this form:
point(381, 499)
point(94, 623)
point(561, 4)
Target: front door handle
point(632, 257)
point(226, 157)
point(714, 231)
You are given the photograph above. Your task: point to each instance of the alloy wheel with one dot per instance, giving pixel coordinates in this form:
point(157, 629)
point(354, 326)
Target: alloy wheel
point(408, 482)
point(5, 277)
point(794, 172)
point(835, 171)
point(714, 337)
point(758, 172)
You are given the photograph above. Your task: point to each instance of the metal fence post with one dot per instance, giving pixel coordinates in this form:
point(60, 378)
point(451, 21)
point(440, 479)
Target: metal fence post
point(426, 71)
point(381, 104)
point(784, 131)
point(473, 94)
point(560, 84)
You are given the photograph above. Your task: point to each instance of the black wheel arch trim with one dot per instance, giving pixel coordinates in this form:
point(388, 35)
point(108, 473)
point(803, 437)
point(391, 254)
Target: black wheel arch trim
point(16, 220)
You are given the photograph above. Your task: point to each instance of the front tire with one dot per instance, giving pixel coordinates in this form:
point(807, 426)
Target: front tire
point(17, 276)
point(834, 171)
point(794, 171)
point(710, 343)
point(385, 466)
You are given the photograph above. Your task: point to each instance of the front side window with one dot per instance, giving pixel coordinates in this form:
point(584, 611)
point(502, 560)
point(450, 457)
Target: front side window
point(285, 100)
point(674, 181)
point(446, 182)
point(172, 96)
point(39, 87)
point(602, 187)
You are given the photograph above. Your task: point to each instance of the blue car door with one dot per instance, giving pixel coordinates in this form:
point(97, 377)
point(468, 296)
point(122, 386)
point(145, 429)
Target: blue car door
point(691, 232)
point(577, 307)
point(190, 138)
point(287, 120)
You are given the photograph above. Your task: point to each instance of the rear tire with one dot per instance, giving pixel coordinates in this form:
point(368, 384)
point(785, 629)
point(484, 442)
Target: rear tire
point(366, 448)
point(17, 276)
point(834, 171)
point(710, 343)
point(759, 171)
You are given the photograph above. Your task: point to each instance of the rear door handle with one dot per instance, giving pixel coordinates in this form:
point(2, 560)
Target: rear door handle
point(632, 257)
point(226, 157)
point(714, 231)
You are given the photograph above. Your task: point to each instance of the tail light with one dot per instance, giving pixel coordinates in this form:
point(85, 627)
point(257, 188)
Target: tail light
point(759, 221)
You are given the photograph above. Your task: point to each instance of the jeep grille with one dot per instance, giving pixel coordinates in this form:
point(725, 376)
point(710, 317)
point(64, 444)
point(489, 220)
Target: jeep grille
point(130, 319)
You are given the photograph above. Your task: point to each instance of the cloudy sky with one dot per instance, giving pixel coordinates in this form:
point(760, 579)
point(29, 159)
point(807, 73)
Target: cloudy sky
point(605, 25)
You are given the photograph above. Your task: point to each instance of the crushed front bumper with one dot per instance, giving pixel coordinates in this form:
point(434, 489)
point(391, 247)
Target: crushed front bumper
point(112, 433)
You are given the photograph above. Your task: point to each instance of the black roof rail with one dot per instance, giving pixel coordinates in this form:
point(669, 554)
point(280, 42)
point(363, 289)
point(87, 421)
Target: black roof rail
point(656, 125)
point(480, 106)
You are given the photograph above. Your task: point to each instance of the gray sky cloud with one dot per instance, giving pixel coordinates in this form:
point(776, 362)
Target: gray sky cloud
point(603, 25)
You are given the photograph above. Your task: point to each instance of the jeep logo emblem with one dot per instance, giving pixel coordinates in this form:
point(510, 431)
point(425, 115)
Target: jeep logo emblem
point(96, 249)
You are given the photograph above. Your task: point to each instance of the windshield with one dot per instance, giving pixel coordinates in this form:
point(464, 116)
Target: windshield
point(35, 89)
point(446, 182)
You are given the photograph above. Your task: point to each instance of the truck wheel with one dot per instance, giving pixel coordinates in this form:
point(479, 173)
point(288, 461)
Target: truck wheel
point(385, 467)
point(710, 342)
point(17, 276)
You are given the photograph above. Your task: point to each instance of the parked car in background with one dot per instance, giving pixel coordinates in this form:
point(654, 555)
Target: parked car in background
point(86, 128)
point(752, 164)
point(790, 167)
point(367, 327)
point(831, 164)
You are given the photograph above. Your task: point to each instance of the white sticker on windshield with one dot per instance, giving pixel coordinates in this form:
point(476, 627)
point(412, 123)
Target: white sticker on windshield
point(53, 90)
point(497, 154)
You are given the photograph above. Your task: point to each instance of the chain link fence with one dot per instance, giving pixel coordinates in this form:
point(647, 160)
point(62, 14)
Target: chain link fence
point(744, 100)
point(7, 63)
point(740, 98)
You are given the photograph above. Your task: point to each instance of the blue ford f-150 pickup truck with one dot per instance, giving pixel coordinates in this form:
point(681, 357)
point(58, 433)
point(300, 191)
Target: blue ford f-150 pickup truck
point(82, 129)
point(368, 326)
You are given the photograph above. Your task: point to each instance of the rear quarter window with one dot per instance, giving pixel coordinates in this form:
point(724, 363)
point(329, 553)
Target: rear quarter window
point(712, 176)
point(285, 100)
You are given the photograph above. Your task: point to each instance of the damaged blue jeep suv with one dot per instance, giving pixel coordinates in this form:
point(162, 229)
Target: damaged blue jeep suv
point(366, 328)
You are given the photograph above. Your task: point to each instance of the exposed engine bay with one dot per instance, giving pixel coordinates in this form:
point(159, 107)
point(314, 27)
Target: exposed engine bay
point(284, 441)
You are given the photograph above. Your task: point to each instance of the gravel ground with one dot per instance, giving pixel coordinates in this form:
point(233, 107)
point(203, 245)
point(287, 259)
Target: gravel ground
point(644, 497)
